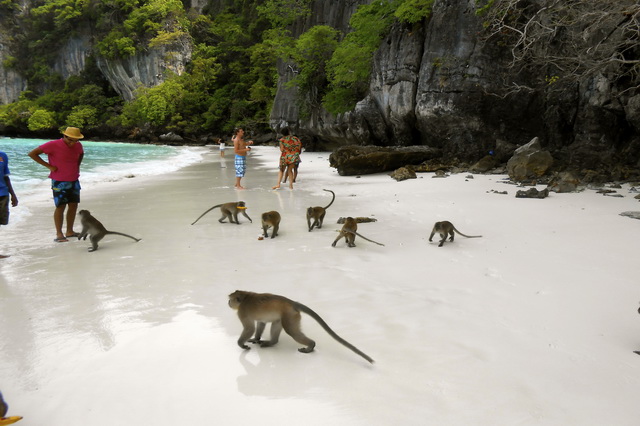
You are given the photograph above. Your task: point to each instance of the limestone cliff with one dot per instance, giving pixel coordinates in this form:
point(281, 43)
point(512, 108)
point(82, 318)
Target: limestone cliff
point(146, 69)
point(435, 85)
point(11, 83)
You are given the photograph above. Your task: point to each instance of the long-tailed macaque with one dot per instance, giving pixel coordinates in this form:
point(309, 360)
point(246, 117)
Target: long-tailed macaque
point(230, 211)
point(348, 232)
point(92, 226)
point(446, 228)
point(281, 312)
point(317, 213)
point(271, 219)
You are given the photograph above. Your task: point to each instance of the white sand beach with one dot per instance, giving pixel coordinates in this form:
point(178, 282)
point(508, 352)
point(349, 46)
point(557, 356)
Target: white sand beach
point(535, 323)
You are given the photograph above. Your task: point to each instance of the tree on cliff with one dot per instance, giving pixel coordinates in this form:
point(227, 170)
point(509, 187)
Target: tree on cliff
point(557, 43)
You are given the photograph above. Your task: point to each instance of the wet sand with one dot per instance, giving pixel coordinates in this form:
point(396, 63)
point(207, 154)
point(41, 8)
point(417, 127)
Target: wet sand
point(535, 323)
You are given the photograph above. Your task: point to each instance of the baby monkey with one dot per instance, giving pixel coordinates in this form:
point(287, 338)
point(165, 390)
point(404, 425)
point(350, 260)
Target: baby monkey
point(317, 213)
point(282, 313)
point(348, 232)
point(271, 219)
point(230, 211)
point(92, 226)
point(446, 228)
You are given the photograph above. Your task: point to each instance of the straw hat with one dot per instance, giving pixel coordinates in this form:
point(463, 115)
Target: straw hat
point(73, 133)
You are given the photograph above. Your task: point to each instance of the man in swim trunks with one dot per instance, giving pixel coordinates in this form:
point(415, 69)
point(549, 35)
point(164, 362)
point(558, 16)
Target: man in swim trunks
point(6, 191)
point(240, 148)
point(65, 156)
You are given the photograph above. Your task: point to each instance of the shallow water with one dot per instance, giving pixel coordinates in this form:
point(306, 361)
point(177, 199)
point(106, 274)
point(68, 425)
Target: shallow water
point(103, 161)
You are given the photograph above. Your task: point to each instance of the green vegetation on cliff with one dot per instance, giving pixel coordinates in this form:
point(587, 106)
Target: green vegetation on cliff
point(230, 80)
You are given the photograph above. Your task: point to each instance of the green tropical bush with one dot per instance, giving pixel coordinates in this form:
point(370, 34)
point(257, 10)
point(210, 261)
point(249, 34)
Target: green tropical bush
point(41, 119)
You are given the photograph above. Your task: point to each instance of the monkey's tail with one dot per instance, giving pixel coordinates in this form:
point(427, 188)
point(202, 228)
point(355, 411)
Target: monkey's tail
point(200, 217)
point(332, 200)
point(307, 310)
point(124, 235)
point(365, 238)
point(467, 236)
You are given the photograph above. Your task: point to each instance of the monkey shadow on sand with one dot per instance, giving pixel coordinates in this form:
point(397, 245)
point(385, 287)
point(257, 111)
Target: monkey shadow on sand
point(268, 371)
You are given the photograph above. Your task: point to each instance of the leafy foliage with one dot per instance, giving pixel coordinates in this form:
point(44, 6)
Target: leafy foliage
point(137, 25)
point(284, 12)
point(350, 66)
point(41, 119)
point(230, 80)
point(311, 53)
point(63, 13)
point(82, 116)
point(413, 11)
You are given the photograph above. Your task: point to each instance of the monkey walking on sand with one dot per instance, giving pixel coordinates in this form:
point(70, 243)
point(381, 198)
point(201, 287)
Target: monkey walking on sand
point(230, 211)
point(317, 213)
point(348, 232)
point(446, 228)
point(92, 226)
point(271, 220)
point(282, 313)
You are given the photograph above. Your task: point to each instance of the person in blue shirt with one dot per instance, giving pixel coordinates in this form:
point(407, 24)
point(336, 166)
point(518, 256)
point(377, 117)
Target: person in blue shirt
point(6, 191)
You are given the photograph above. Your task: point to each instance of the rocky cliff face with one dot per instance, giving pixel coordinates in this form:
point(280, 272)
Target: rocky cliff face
point(335, 13)
point(125, 75)
point(11, 83)
point(72, 57)
point(434, 86)
point(429, 86)
point(145, 69)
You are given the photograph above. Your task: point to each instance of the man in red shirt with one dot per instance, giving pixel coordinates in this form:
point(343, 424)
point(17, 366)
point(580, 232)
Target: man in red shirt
point(65, 156)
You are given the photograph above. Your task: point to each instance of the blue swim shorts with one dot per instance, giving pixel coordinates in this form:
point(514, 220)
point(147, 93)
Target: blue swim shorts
point(241, 165)
point(65, 192)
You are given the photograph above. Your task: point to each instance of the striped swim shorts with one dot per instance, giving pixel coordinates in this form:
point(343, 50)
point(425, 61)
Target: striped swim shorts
point(241, 165)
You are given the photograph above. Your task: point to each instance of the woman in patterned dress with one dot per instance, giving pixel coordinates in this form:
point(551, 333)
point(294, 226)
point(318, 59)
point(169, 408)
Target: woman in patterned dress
point(290, 147)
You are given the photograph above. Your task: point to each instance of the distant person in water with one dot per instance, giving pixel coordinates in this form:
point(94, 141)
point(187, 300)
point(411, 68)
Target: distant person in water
point(240, 148)
point(220, 142)
point(290, 148)
point(6, 192)
point(222, 146)
point(65, 156)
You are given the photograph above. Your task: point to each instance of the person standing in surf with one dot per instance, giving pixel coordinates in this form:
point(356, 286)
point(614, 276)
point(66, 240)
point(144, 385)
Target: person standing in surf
point(6, 191)
point(240, 148)
point(65, 156)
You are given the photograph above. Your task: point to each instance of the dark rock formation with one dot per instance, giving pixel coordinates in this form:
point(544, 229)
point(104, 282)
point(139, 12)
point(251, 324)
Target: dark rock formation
point(564, 182)
point(532, 193)
point(485, 164)
point(529, 161)
point(358, 219)
point(171, 137)
point(359, 160)
point(403, 173)
point(633, 215)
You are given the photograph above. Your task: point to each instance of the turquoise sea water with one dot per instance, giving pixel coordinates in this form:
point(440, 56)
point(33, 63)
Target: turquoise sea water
point(103, 162)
